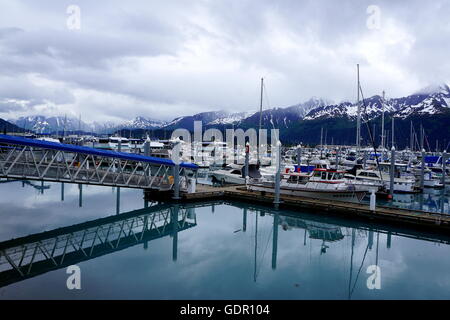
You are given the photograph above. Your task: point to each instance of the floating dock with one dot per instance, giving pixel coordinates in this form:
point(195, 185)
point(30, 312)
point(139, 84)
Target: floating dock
point(397, 216)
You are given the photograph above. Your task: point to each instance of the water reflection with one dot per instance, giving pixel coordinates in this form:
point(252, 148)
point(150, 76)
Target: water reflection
point(36, 254)
point(431, 200)
point(209, 250)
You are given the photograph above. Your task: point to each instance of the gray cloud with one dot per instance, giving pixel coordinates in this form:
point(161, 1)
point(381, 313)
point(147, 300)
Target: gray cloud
point(166, 59)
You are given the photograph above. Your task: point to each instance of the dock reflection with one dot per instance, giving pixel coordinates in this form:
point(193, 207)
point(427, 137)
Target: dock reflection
point(36, 254)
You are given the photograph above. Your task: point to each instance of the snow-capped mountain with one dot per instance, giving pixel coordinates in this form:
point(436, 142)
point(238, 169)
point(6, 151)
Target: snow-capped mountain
point(231, 118)
point(142, 123)
point(430, 100)
point(284, 117)
point(43, 124)
point(303, 108)
point(187, 122)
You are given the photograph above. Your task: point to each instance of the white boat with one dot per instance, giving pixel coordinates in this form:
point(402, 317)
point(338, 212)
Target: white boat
point(320, 184)
point(112, 143)
point(230, 175)
point(376, 179)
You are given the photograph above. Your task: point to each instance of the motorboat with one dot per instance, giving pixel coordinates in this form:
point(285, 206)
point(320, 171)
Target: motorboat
point(320, 184)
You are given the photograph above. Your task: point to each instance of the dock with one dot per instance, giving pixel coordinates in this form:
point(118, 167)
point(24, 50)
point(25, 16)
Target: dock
point(400, 217)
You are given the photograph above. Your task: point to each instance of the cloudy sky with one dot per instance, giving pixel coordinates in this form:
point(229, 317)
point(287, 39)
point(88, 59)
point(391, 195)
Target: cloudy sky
point(163, 59)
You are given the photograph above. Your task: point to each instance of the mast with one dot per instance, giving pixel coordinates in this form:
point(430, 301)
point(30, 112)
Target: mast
point(411, 139)
point(260, 117)
point(392, 135)
point(358, 124)
point(382, 122)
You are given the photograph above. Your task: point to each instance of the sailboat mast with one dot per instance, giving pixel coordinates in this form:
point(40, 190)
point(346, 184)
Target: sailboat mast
point(382, 123)
point(392, 131)
point(260, 117)
point(358, 124)
point(411, 139)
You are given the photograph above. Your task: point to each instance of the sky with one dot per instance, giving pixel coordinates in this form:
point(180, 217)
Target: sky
point(115, 60)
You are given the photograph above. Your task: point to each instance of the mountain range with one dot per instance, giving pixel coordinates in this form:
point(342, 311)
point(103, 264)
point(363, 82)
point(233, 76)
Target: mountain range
point(300, 120)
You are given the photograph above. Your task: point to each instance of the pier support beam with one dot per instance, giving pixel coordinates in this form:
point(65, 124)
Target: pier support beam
point(80, 195)
point(391, 186)
point(117, 200)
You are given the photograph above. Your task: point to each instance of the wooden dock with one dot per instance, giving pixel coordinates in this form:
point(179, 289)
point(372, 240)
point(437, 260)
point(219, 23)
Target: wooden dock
point(403, 217)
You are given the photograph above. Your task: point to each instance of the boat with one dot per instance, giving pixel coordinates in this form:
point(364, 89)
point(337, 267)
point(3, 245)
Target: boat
point(234, 174)
point(112, 143)
point(320, 184)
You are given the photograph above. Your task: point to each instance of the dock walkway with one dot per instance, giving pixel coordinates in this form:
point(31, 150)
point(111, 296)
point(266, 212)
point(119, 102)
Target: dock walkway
point(417, 218)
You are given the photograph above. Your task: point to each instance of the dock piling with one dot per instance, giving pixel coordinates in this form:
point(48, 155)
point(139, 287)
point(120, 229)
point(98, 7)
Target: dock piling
point(373, 200)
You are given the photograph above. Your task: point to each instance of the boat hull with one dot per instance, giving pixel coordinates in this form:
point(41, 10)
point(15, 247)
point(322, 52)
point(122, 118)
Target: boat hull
point(335, 195)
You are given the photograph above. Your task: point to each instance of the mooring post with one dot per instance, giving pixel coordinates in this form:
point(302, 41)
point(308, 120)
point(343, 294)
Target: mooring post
point(444, 159)
point(277, 176)
point(373, 200)
point(391, 186)
point(176, 171)
point(299, 158)
point(422, 171)
point(147, 147)
point(247, 155)
point(275, 241)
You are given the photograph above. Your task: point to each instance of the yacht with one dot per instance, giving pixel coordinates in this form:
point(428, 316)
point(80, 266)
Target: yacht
point(319, 184)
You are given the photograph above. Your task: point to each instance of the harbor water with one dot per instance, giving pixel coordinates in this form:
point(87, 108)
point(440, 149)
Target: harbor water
point(222, 250)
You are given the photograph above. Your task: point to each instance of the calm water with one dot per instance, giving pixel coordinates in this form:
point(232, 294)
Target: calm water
point(216, 251)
